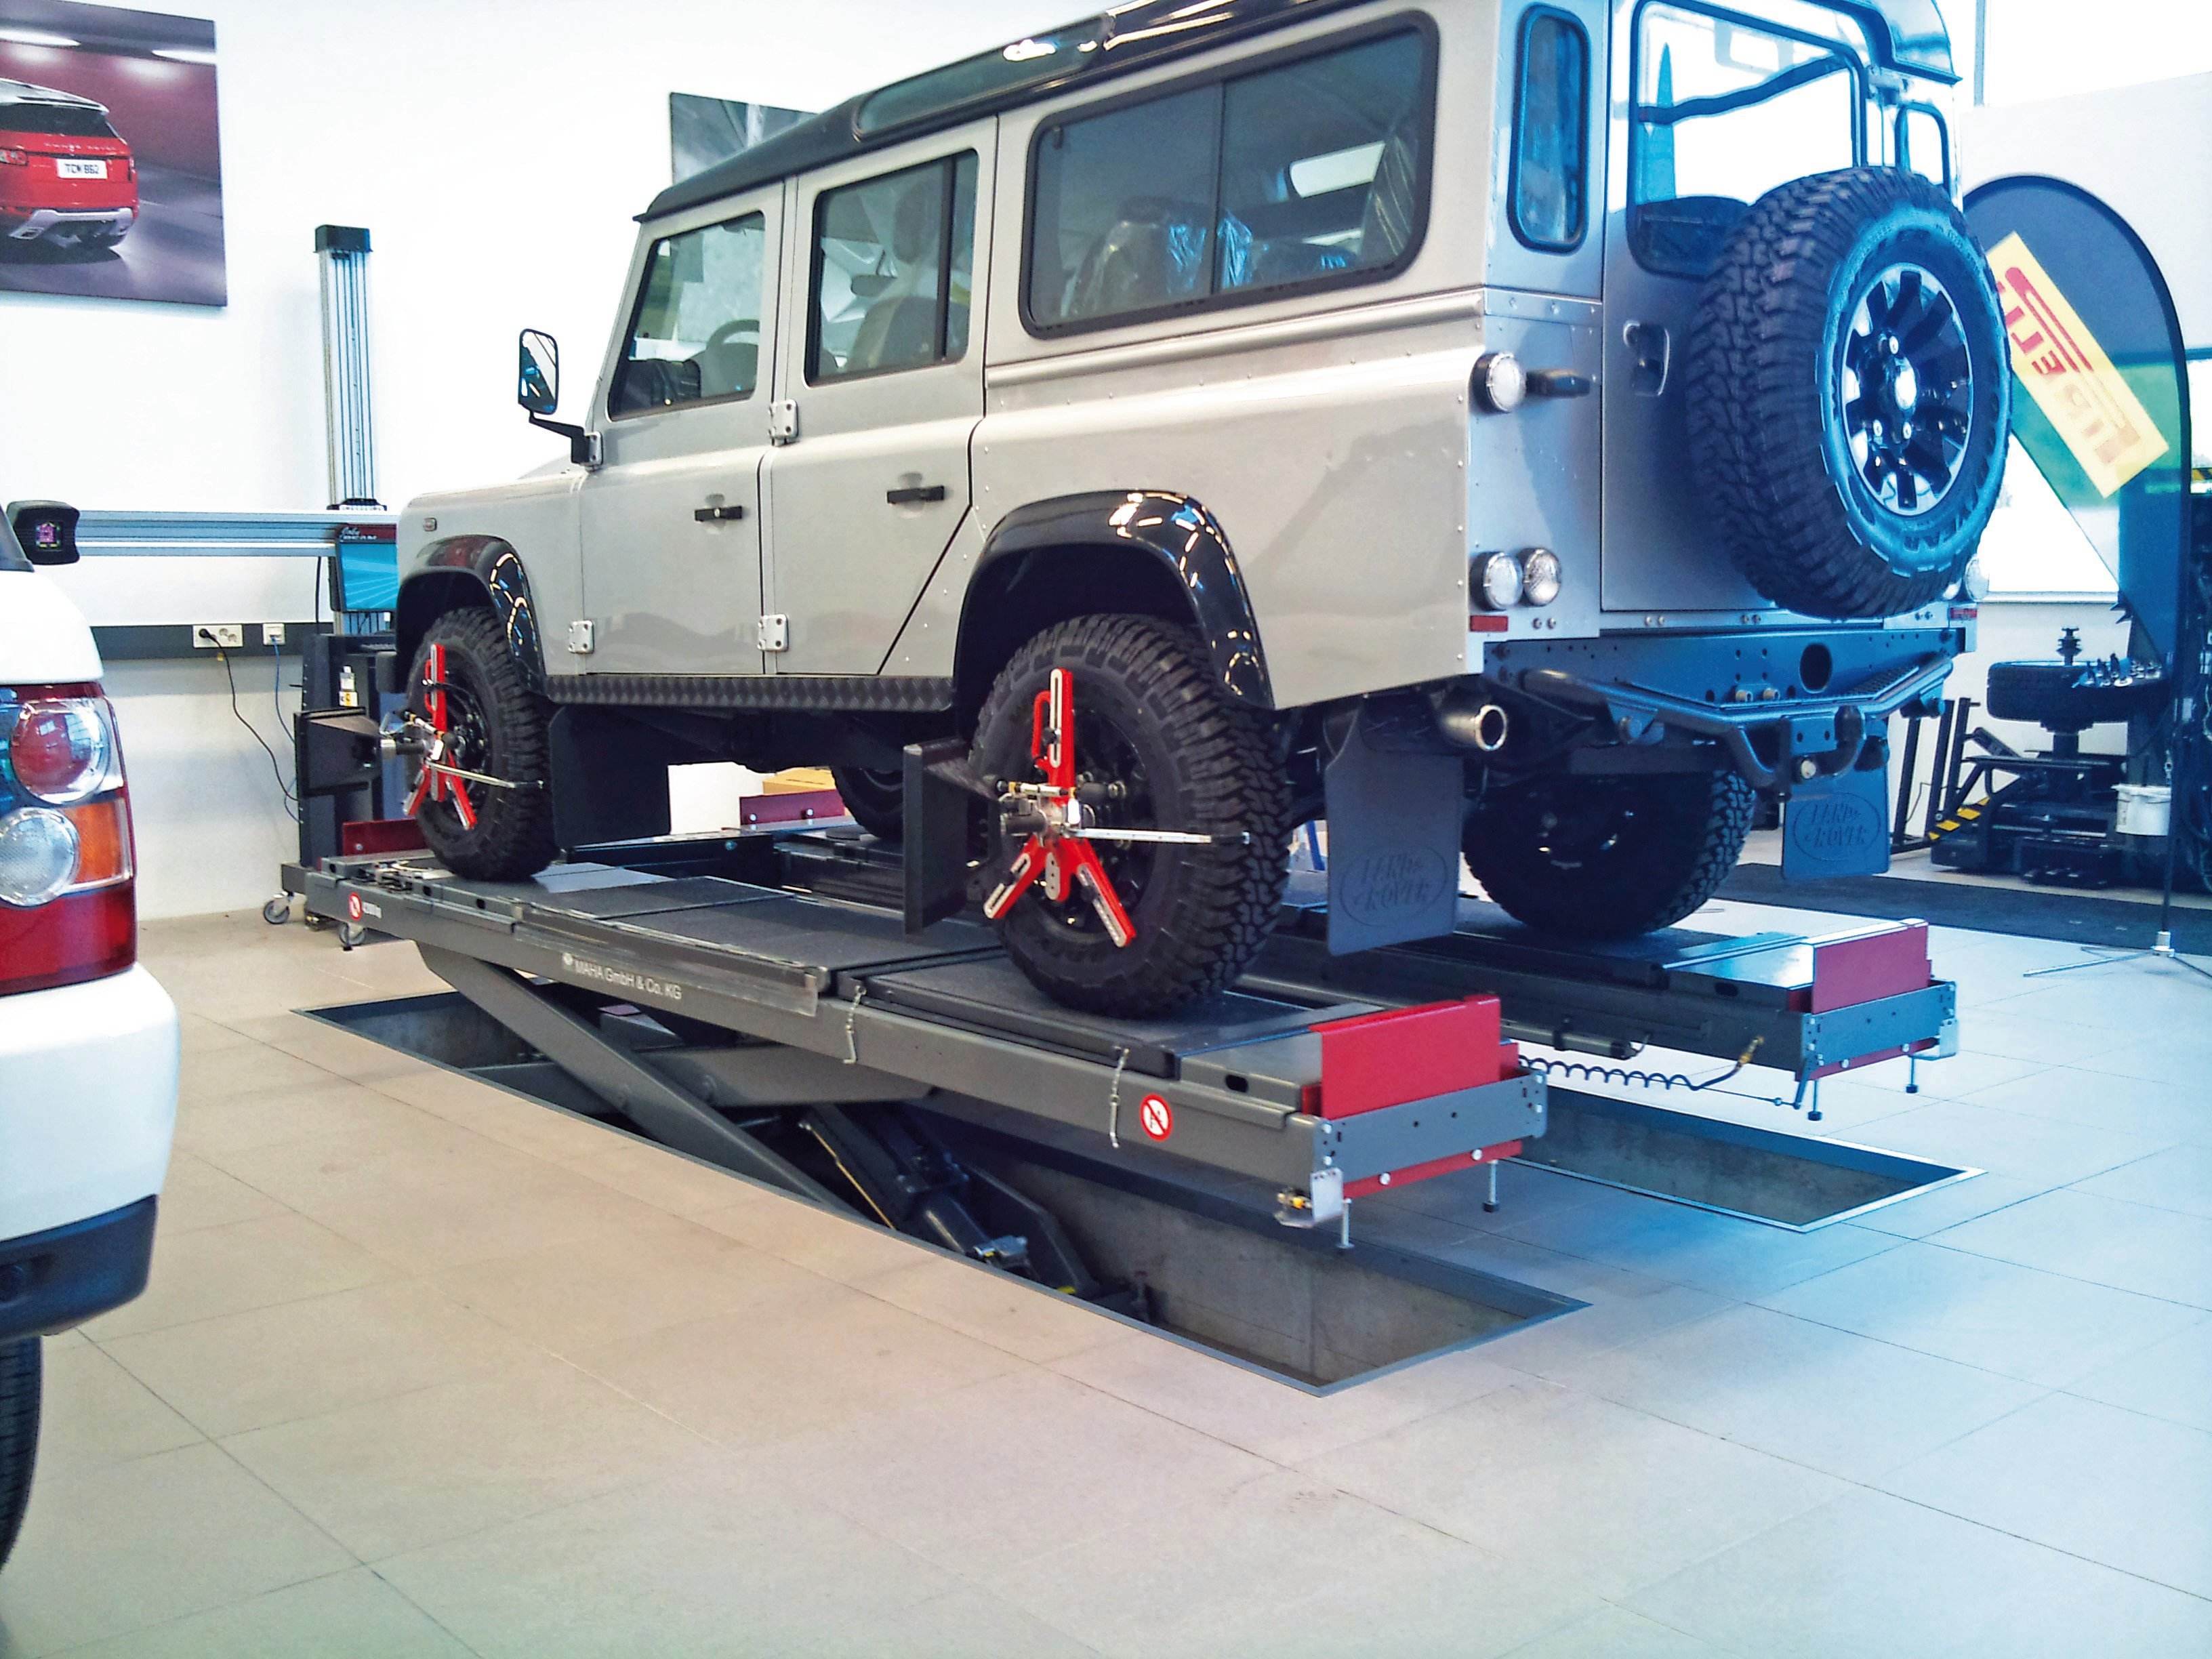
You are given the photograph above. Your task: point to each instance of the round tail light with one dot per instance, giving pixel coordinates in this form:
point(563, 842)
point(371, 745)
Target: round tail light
point(62, 752)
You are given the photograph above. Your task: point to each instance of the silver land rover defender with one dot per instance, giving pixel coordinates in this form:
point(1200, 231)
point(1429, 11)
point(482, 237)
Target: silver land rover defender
point(1532, 428)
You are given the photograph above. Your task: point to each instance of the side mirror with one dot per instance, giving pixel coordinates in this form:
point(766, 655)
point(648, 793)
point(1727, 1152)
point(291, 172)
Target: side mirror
point(46, 531)
point(537, 383)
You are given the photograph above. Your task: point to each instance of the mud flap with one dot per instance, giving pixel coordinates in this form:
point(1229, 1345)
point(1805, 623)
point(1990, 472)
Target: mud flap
point(609, 778)
point(1395, 811)
point(1837, 826)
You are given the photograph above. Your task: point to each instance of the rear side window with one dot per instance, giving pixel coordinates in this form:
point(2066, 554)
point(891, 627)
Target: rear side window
point(55, 120)
point(1307, 172)
point(696, 337)
point(1722, 113)
point(1551, 125)
point(894, 263)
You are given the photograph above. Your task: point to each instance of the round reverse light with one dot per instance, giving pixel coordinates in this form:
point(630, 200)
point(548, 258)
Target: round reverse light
point(1539, 576)
point(1974, 586)
point(1498, 581)
point(38, 856)
point(1500, 383)
point(60, 750)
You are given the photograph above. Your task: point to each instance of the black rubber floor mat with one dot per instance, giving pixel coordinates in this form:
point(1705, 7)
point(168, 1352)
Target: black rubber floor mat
point(2076, 918)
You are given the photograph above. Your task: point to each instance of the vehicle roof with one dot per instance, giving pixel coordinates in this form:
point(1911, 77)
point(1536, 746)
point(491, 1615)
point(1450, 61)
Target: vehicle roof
point(22, 92)
point(1907, 35)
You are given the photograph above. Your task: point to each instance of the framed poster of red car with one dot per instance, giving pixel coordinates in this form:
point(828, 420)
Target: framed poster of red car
point(111, 171)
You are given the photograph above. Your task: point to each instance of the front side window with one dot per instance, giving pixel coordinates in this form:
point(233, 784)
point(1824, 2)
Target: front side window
point(696, 337)
point(1292, 175)
point(894, 261)
point(1551, 127)
point(1724, 113)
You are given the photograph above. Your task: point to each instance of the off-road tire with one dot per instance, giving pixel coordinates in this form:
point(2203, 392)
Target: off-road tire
point(513, 834)
point(1210, 767)
point(1677, 837)
point(876, 799)
point(19, 1384)
point(1763, 372)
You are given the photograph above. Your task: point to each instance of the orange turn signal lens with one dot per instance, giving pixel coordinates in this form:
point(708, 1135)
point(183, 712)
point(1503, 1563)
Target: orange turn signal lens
point(103, 833)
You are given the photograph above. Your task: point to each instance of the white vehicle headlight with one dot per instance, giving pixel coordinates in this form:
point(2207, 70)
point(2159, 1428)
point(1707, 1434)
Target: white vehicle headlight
point(1498, 580)
point(38, 856)
point(1539, 576)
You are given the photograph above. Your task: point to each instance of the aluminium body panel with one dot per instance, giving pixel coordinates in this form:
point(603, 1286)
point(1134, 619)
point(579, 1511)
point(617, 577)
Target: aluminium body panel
point(665, 589)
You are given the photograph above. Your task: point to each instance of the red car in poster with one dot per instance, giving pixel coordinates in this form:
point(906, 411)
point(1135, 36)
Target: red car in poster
point(66, 177)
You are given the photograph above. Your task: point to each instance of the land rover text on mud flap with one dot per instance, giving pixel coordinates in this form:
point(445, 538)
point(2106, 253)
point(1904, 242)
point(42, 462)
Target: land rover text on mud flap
point(1531, 428)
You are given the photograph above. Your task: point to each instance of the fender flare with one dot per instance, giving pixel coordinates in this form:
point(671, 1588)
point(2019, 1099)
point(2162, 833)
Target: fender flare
point(491, 573)
point(1190, 547)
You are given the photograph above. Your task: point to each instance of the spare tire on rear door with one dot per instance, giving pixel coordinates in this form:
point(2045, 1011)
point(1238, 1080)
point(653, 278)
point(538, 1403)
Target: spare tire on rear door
point(1849, 390)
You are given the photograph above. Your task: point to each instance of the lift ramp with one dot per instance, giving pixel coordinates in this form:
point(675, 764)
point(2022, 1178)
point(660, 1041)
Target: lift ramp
point(778, 961)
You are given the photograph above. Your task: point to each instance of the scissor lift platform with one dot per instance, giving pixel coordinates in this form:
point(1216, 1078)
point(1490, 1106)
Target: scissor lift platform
point(778, 973)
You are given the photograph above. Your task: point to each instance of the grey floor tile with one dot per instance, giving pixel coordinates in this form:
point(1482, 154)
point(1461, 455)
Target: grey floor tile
point(152, 1540)
point(711, 1561)
point(388, 1475)
point(1945, 1206)
point(579, 1295)
point(1818, 1397)
point(1025, 1319)
point(348, 1615)
point(2172, 1058)
point(1233, 1573)
point(815, 1356)
point(2179, 1178)
point(1718, 1253)
point(95, 1413)
point(2130, 1110)
point(1616, 1633)
point(1037, 1461)
point(1996, 1029)
point(254, 1370)
point(196, 1194)
point(2107, 1241)
point(1978, 1134)
point(213, 1271)
point(2131, 1492)
point(1983, 1312)
point(1268, 1418)
point(2172, 1380)
point(1606, 1496)
point(1872, 1575)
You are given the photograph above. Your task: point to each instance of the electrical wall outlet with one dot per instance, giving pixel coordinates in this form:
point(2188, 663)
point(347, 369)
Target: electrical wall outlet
point(272, 633)
point(230, 636)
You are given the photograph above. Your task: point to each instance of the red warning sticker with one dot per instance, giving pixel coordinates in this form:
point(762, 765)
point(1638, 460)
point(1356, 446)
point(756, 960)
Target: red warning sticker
point(1157, 1117)
point(353, 906)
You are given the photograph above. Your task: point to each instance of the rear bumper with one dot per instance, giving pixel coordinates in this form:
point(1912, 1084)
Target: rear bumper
point(87, 1099)
point(67, 222)
point(51, 1280)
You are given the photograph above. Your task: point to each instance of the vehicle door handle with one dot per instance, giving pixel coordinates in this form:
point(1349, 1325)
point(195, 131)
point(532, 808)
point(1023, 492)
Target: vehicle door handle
point(1558, 383)
point(1651, 353)
point(717, 514)
point(914, 493)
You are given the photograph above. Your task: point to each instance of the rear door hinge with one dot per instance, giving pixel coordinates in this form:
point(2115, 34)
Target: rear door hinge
point(773, 633)
point(783, 421)
point(580, 639)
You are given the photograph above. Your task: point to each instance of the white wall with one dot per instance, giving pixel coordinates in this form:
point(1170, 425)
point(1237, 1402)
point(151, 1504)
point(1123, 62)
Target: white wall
point(497, 151)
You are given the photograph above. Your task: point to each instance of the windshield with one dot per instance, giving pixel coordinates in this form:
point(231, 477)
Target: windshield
point(11, 556)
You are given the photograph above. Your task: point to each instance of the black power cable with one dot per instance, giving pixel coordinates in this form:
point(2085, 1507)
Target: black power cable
point(291, 802)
